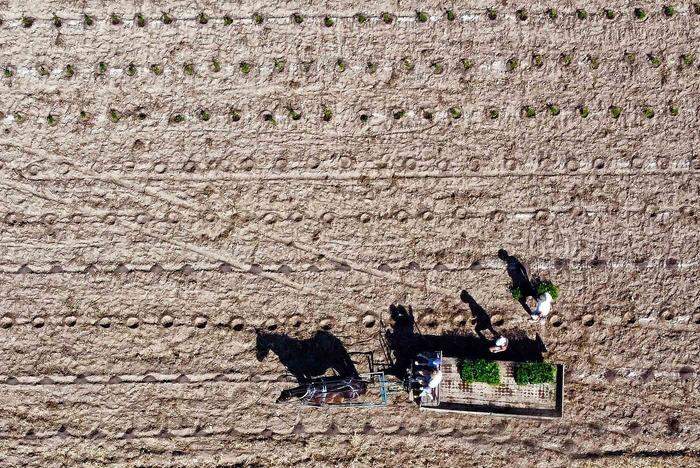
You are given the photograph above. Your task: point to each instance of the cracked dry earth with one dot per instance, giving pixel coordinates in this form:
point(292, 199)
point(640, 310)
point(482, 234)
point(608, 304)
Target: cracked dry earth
point(170, 183)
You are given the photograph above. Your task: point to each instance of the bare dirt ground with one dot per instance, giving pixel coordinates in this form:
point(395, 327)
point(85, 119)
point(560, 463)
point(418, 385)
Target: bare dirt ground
point(153, 215)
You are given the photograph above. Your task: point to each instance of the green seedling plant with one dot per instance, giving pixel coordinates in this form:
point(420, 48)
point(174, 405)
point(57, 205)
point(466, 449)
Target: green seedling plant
point(43, 71)
point(673, 110)
point(7, 72)
point(361, 18)
point(19, 117)
point(228, 21)
point(533, 373)
point(131, 69)
point(566, 59)
point(328, 21)
point(493, 114)
point(215, 66)
point(279, 65)
point(114, 115)
point(327, 114)
point(204, 115)
point(57, 23)
point(293, 114)
point(529, 111)
point(630, 57)
point(258, 18)
point(83, 116)
point(537, 61)
point(245, 68)
point(437, 68)
point(467, 64)
point(547, 287)
point(450, 15)
point(593, 62)
point(581, 14)
point(648, 112)
point(480, 370)
point(640, 14)
point(688, 59)
point(101, 68)
point(297, 18)
point(202, 18)
point(371, 67)
point(88, 20)
point(455, 112)
point(340, 65)
point(422, 16)
point(491, 14)
point(399, 114)
point(615, 112)
point(178, 118)
point(552, 13)
point(387, 18)
point(27, 21)
point(188, 69)
point(68, 71)
point(516, 292)
point(583, 111)
point(521, 14)
point(51, 120)
point(512, 64)
point(427, 115)
point(166, 18)
point(408, 64)
point(553, 109)
point(609, 14)
point(654, 60)
point(115, 19)
point(140, 20)
point(235, 115)
point(669, 11)
point(364, 118)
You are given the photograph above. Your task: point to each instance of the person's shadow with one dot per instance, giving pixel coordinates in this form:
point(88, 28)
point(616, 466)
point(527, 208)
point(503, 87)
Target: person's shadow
point(520, 278)
point(307, 359)
point(481, 318)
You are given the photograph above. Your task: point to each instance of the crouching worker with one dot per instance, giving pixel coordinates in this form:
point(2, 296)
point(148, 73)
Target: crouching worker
point(544, 306)
point(500, 345)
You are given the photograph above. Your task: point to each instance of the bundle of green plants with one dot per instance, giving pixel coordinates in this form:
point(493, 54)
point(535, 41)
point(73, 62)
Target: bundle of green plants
point(516, 292)
point(534, 373)
point(547, 287)
point(480, 370)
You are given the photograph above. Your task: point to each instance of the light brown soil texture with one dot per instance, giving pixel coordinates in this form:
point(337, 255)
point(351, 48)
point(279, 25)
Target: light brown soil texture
point(168, 187)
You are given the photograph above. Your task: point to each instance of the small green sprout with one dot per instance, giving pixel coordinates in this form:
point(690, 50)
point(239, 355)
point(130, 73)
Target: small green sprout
point(581, 14)
point(306, 66)
point(328, 21)
point(640, 14)
point(131, 69)
point(57, 23)
point(340, 65)
point(521, 14)
point(387, 18)
point(421, 16)
point(408, 64)
point(43, 71)
point(593, 62)
point(88, 20)
point(669, 10)
point(615, 112)
point(537, 61)
point(235, 115)
point(450, 15)
point(455, 112)
point(245, 67)
point(228, 21)
point(491, 14)
point(258, 18)
point(630, 57)
point(204, 115)
point(19, 117)
point(51, 120)
point(512, 64)
point(280, 63)
point(294, 114)
point(552, 13)
point(166, 18)
point(688, 59)
point(371, 67)
point(673, 110)
point(140, 20)
point(215, 66)
point(364, 118)
point(84, 116)
point(584, 111)
point(327, 114)
point(399, 114)
point(467, 64)
point(297, 18)
point(648, 112)
point(529, 111)
point(553, 109)
point(27, 21)
point(202, 18)
point(188, 69)
point(101, 68)
point(493, 114)
point(141, 115)
point(115, 19)
point(361, 18)
point(437, 68)
point(178, 118)
point(7, 72)
point(654, 61)
point(566, 59)
point(427, 115)
point(114, 115)
point(609, 14)
point(156, 69)
point(68, 71)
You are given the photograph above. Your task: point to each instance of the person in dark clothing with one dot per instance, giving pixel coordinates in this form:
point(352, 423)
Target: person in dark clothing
point(482, 320)
point(518, 275)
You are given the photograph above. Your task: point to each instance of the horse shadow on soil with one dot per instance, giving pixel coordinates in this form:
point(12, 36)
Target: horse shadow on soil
point(307, 359)
point(403, 342)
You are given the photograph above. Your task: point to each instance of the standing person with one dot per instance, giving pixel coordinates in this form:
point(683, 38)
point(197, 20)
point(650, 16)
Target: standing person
point(521, 280)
